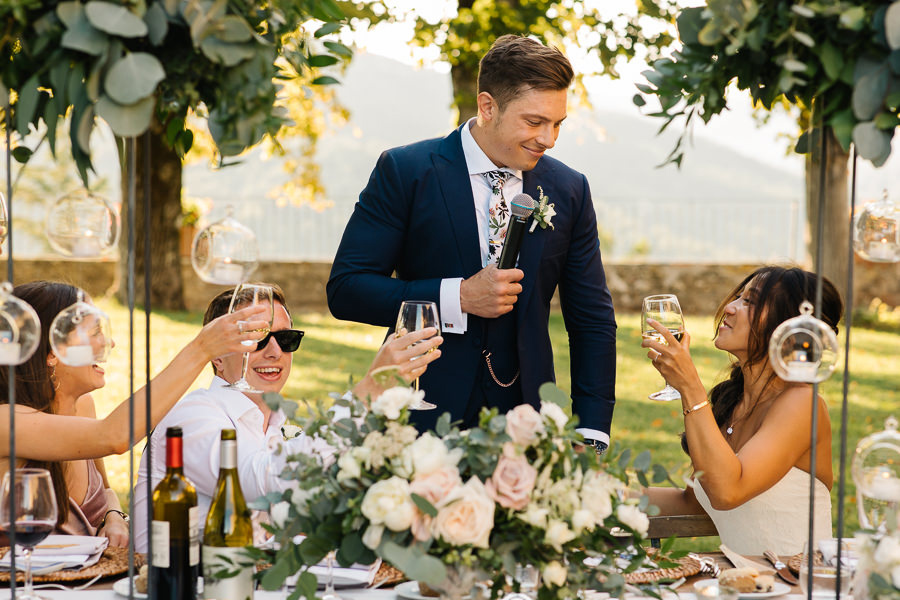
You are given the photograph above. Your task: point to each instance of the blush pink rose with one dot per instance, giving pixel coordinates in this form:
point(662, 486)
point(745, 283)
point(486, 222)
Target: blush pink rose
point(512, 482)
point(467, 516)
point(524, 424)
point(421, 527)
point(435, 486)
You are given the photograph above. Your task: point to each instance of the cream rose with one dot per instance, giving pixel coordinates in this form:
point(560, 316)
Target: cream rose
point(524, 425)
point(388, 503)
point(349, 468)
point(435, 486)
point(581, 520)
point(467, 516)
point(535, 516)
point(392, 401)
point(633, 517)
point(430, 453)
point(555, 574)
point(552, 411)
point(888, 552)
point(421, 527)
point(512, 482)
point(279, 513)
point(557, 534)
point(371, 537)
point(895, 577)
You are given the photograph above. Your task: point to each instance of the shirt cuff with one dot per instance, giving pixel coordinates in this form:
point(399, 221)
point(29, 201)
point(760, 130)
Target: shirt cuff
point(593, 434)
point(453, 319)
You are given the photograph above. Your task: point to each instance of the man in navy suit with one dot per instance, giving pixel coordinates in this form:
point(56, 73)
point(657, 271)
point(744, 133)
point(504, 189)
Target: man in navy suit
point(426, 215)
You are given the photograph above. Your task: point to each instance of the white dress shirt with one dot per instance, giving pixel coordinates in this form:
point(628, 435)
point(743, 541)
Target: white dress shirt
point(202, 415)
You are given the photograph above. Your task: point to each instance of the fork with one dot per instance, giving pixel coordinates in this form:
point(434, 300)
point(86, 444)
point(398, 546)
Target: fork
point(59, 586)
point(708, 565)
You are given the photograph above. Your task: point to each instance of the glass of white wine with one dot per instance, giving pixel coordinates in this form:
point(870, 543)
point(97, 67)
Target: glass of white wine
point(664, 309)
point(415, 315)
point(251, 294)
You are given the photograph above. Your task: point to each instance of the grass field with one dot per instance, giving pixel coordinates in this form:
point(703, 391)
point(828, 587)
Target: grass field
point(333, 351)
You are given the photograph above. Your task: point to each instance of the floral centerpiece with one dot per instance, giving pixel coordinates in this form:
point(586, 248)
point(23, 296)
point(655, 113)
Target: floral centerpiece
point(878, 570)
point(451, 506)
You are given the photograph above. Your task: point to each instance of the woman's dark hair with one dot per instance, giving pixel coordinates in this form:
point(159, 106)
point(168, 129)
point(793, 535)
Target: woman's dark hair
point(779, 291)
point(34, 386)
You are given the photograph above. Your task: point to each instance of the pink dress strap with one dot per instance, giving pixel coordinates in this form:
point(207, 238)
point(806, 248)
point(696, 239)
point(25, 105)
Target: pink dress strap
point(84, 518)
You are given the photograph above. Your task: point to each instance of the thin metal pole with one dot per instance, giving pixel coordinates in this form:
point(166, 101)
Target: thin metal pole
point(11, 369)
point(130, 165)
point(147, 429)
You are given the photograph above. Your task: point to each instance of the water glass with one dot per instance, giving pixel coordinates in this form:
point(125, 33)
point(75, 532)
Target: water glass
point(822, 576)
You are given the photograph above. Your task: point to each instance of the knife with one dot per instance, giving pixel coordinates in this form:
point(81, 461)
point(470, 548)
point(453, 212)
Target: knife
point(739, 560)
point(780, 568)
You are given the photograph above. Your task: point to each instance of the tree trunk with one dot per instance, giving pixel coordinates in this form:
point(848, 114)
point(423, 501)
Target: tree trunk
point(465, 92)
point(836, 210)
point(166, 286)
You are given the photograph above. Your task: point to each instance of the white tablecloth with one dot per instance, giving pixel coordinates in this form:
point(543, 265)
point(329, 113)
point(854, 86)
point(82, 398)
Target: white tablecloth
point(347, 594)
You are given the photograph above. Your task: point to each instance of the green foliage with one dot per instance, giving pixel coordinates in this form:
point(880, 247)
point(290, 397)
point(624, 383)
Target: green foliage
point(845, 54)
point(131, 61)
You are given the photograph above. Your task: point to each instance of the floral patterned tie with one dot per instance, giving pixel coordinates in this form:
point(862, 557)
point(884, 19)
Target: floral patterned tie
point(498, 213)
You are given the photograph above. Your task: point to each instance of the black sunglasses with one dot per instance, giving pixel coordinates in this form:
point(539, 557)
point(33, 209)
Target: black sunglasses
point(287, 339)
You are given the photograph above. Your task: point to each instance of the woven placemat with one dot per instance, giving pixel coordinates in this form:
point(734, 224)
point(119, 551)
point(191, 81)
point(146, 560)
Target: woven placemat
point(687, 566)
point(387, 576)
point(113, 561)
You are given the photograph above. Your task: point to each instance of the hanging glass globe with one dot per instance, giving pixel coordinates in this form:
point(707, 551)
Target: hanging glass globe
point(225, 252)
point(803, 349)
point(83, 225)
point(20, 328)
point(876, 472)
point(876, 231)
point(81, 334)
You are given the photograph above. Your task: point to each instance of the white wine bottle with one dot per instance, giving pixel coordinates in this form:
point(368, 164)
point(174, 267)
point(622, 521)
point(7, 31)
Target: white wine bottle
point(227, 570)
point(175, 533)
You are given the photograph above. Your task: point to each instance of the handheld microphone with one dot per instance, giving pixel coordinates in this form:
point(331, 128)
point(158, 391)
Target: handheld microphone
point(521, 207)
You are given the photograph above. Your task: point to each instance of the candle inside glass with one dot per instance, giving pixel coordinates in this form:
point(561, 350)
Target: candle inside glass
point(79, 356)
point(9, 353)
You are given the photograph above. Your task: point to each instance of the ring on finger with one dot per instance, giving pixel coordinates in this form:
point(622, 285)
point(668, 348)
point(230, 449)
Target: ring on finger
point(240, 325)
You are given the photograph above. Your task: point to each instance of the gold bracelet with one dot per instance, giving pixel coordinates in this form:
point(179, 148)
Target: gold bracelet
point(688, 411)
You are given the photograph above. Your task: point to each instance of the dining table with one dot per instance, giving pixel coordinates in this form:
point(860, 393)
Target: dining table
point(103, 589)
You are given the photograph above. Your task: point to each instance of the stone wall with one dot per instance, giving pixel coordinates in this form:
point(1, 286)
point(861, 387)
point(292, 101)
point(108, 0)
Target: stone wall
point(698, 287)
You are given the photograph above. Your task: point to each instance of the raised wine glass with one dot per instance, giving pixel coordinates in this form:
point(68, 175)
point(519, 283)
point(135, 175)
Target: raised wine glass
point(415, 315)
point(250, 294)
point(30, 491)
point(664, 309)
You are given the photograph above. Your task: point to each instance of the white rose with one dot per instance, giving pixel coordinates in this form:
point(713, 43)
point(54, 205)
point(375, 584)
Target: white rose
point(888, 551)
point(371, 537)
point(552, 411)
point(524, 424)
point(554, 573)
point(391, 401)
point(535, 516)
point(301, 497)
point(430, 454)
point(467, 517)
point(895, 576)
point(349, 468)
point(557, 534)
point(633, 517)
point(279, 513)
point(388, 503)
point(583, 519)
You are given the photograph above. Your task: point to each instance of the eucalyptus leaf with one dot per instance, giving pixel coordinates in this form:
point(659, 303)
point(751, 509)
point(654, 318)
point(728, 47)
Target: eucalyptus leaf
point(842, 125)
point(115, 19)
point(322, 60)
point(869, 93)
point(84, 37)
point(69, 12)
point(26, 105)
point(794, 65)
point(690, 22)
point(804, 38)
point(872, 143)
point(892, 25)
point(325, 80)
point(326, 29)
point(832, 60)
point(549, 392)
point(226, 53)
point(853, 18)
point(157, 24)
point(133, 77)
point(232, 28)
point(339, 49)
point(126, 120)
point(85, 126)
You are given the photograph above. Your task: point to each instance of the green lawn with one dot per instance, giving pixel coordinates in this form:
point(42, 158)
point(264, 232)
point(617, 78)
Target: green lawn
point(333, 351)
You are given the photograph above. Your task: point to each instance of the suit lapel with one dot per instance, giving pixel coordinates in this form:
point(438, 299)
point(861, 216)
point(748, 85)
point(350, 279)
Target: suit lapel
point(533, 244)
point(456, 191)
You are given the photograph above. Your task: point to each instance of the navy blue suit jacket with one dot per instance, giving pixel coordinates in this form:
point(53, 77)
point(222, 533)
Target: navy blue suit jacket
point(416, 219)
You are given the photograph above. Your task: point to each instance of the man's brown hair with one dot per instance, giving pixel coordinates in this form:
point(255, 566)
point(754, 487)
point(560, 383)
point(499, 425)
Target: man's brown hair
point(515, 64)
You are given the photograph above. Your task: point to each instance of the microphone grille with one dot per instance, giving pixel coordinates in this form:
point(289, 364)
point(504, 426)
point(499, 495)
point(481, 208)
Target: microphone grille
point(522, 205)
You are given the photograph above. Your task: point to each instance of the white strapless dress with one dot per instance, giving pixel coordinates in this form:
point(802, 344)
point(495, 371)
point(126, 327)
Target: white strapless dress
point(777, 519)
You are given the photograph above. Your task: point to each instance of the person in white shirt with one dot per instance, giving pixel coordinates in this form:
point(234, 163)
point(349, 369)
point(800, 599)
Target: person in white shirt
point(262, 449)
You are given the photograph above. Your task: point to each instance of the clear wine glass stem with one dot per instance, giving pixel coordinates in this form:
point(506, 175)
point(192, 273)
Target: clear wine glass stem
point(28, 591)
point(329, 593)
point(245, 363)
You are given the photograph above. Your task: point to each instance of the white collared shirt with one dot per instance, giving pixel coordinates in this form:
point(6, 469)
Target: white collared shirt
point(453, 319)
point(202, 415)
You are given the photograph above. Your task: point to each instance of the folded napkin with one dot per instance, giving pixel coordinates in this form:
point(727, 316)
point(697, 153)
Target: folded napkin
point(58, 552)
point(740, 561)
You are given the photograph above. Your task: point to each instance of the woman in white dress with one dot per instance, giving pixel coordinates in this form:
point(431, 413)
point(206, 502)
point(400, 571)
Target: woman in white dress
point(749, 439)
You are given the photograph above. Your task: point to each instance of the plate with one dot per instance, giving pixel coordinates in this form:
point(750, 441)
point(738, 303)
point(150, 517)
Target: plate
point(409, 590)
point(121, 587)
point(779, 589)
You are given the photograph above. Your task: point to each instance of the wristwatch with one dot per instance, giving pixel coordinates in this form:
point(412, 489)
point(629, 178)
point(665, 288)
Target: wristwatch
point(598, 445)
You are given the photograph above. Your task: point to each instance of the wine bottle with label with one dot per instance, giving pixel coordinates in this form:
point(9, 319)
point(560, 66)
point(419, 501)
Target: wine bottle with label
point(175, 532)
point(227, 570)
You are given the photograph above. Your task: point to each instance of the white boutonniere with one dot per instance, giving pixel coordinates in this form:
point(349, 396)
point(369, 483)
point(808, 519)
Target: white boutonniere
point(290, 431)
point(543, 213)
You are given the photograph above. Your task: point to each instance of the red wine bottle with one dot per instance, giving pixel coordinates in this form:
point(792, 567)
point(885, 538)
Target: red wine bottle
point(176, 529)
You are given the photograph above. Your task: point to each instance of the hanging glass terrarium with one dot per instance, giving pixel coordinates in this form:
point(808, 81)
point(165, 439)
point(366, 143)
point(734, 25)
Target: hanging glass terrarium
point(876, 472)
point(83, 225)
point(81, 334)
point(20, 328)
point(803, 349)
point(876, 231)
point(225, 252)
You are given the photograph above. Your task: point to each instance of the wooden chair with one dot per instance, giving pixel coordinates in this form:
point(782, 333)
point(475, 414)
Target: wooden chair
point(663, 527)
